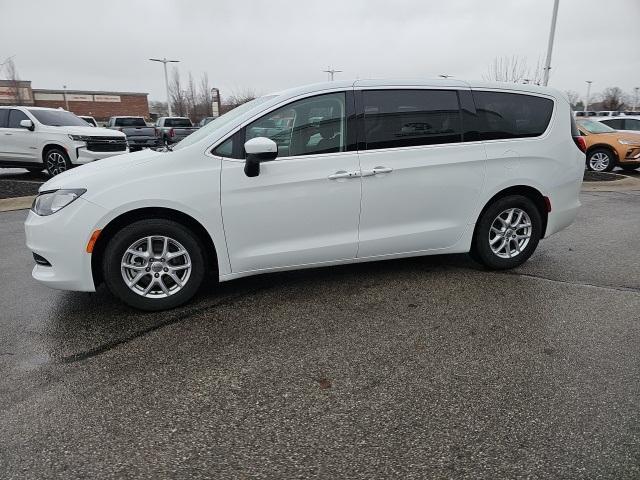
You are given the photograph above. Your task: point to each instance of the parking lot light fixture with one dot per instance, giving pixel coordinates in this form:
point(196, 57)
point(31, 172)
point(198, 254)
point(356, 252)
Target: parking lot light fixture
point(164, 61)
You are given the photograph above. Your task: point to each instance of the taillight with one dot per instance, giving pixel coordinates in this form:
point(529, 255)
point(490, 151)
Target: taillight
point(172, 133)
point(580, 143)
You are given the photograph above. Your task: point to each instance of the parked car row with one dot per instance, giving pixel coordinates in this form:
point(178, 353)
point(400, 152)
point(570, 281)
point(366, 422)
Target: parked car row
point(51, 139)
point(607, 147)
point(604, 113)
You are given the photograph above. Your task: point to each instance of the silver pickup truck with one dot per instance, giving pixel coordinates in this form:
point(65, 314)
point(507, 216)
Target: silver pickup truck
point(139, 135)
point(173, 129)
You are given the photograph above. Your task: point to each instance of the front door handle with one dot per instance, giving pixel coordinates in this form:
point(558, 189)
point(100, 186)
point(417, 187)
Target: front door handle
point(343, 174)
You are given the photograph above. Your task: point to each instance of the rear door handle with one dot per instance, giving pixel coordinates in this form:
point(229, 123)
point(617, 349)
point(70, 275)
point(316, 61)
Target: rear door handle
point(343, 174)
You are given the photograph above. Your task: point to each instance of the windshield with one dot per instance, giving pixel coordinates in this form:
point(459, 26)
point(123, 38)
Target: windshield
point(221, 121)
point(130, 122)
point(592, 126)
point(57, 118)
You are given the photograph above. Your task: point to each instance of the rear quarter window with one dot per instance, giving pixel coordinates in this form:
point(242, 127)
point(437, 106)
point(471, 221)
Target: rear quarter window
point(4, 117)
point(511, 115)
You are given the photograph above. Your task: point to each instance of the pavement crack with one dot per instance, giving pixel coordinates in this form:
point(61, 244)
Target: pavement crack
point(579, 284)
point(105, 347)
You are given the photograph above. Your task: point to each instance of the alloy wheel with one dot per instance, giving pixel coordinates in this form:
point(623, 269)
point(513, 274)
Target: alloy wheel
point(56, 163)
point(156, 266)
point(599, 161)
point(510, 233)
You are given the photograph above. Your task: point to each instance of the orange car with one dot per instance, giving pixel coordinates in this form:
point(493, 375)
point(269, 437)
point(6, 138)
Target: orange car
point(608, 148)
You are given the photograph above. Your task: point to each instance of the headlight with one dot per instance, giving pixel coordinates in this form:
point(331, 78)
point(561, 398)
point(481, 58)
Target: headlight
point(625, 141)
point(47, 203)
point(78, 138)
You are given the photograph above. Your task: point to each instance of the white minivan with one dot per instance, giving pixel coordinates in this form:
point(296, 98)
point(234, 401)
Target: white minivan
point(320, 175)
point(39, 138)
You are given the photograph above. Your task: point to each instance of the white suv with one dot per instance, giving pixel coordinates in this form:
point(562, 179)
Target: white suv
point(36, 138)
point(320, 175)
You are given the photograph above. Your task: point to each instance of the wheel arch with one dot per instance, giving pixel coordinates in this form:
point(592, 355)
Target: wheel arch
point(210, 252)
point(528, 191)
point(606, 146)
point(50, 146)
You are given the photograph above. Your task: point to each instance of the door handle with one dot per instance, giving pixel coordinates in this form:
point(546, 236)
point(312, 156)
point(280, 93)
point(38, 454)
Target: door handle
point(343, 174)
point(376, 171)
point(8, 133)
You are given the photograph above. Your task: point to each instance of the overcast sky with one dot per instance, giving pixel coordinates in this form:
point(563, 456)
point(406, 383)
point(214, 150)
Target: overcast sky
point(275, 44)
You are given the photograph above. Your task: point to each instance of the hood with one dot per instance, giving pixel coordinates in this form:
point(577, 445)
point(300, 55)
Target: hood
point(92, 131)
point(100, 171)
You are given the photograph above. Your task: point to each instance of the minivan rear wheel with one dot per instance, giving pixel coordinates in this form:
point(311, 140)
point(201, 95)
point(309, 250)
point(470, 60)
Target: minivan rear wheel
point(154, 264)
point(507, 233)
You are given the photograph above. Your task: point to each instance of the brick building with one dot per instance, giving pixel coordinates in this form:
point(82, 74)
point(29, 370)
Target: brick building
point(99, 104)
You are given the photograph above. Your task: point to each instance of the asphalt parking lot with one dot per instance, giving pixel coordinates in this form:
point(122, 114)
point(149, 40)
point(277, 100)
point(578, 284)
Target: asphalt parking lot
point(420, 368)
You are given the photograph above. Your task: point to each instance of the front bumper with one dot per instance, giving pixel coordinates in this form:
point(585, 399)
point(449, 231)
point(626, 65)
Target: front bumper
point(62, 239)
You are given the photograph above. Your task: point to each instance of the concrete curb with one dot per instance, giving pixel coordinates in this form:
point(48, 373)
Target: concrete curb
point(16, 203)
point(626, 185)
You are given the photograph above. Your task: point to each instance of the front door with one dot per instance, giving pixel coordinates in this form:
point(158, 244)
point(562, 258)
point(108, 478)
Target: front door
point(18, 144)
point(303, 207)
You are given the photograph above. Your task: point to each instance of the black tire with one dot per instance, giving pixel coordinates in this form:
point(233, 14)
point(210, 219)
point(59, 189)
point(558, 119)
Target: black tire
point(611, 159)
point(56, 161)
point(481, 250)
point(629, 168)
point(123, 239)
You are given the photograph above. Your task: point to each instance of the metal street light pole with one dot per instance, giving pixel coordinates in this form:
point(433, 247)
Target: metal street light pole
point(552, 32)
point(164, 61)
point(635, 103)
point(331, 72)
point(586, 103)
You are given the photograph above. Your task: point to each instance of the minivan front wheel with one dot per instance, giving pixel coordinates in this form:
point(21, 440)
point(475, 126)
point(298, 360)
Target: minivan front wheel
point(600, 160)
point(507, 233)
point(154, 264)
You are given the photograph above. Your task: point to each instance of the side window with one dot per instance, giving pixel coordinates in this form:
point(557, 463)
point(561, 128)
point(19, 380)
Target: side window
point(402, 118)
point(511, 115)
point(225, 149)
point(15, 117)
point(629, 124)
point(309, 126)
point(616, 123)
point(4, 117)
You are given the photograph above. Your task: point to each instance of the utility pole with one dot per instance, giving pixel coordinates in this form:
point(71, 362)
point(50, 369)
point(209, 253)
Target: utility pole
point(586, 103)
point(66, 100)
point(164, 61)
point(552, 32)
point(635, 102)
point(331, 72)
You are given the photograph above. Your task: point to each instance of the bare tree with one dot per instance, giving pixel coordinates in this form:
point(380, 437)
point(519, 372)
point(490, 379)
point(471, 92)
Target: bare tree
point(613, 99)
point(177, 95)
point(574, 98)
point(514, 70)
point(11, 74)
point(205, 98)
point(237, 98)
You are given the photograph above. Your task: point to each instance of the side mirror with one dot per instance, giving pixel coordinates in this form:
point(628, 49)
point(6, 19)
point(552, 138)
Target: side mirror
point(28, 124)
point(259, 149)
